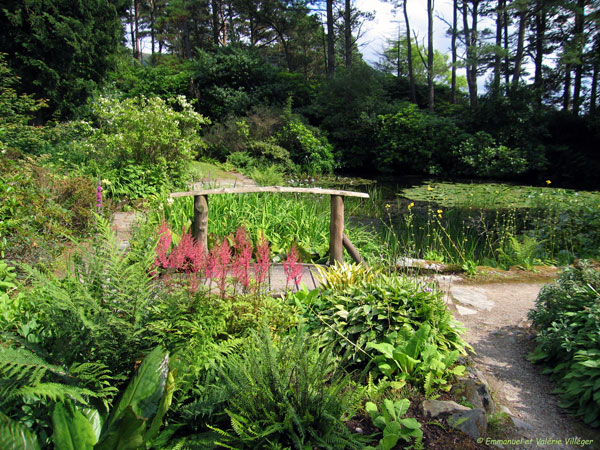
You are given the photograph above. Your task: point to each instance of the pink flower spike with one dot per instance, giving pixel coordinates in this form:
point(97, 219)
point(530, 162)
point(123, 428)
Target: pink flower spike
point(292, 267)
point(263, 260)
point(164, 244)
point(243, 255)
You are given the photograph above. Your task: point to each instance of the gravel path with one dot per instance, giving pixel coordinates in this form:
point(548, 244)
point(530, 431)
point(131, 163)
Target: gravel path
point(495, 315)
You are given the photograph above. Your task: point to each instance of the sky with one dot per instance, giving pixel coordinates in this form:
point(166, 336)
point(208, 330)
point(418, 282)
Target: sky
point(386, 23)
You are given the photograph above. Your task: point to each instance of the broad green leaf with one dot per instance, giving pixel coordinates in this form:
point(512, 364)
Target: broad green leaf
point(411, 423)
point(72, 429)
point(371, 409)
point(127, 433)
point(389, 408)
point(393, 428)
point(402, 406)
point(388, 442)
point(146, 389)
point(383, 347)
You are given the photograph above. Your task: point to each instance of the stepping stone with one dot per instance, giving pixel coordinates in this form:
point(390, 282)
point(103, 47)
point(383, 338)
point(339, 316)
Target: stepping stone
point(471, 296)
point(465, 311)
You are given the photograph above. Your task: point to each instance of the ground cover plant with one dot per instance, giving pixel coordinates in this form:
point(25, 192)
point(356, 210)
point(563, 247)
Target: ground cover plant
point(566, 319)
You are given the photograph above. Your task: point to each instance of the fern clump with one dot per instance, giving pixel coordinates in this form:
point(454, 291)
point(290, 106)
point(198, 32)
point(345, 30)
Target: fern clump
point(288, 395)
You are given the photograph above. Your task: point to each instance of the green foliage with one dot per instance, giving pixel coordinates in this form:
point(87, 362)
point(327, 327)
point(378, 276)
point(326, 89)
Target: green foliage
point(313, 154)
point(267, 176)
point(389, 420)
point(520, 252)
point(63, 207)
point(167, 77)
point(233, 80)
point(284, 219)
point(481, 156)
point(414, 141)
point(567, 317)
point(408, 356)
point(289, 394)
point(16, 112)
point(137, 417)
point(61, 50)
point(16, 436)
point(96, 312)
point(346, 107)
point(384, 309)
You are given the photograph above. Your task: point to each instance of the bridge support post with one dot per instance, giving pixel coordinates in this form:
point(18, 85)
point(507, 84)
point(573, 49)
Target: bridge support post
point(200, 222)
point(336, 229)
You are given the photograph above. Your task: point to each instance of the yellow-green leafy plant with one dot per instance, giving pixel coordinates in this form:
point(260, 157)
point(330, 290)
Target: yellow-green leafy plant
point(342, 275)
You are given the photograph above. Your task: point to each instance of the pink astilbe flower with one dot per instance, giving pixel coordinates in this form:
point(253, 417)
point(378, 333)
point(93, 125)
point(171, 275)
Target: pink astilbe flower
point(263, 260)
point(188, 256)
point(223, 257)
point(243, 255)
point(164, 244)
point(291, 266)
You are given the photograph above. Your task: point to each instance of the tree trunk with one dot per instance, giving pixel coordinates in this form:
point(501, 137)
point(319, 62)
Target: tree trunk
point(453, 49)
point(471, 44)
point(567, 89)
point(594, 88)
point(215, 21)
point(330, 39)
point(132, 30)
point(138, 51)
point(523, 15)
point(540, 36)
point(506, 49)
point(497, 58)
point(580, 43)
point(411, 75)
point(348, 33)
point(430, 87)
point(152, 31)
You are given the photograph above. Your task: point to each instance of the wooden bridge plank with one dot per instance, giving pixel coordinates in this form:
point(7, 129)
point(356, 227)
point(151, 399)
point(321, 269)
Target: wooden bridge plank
point(252, 189)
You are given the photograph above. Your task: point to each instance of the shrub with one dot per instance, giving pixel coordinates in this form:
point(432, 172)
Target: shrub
point(412, 141)
point(312, 153)
point(481, 156)
point(567, 318)
point(139, 145)
point(376, 310)
point(40, 207)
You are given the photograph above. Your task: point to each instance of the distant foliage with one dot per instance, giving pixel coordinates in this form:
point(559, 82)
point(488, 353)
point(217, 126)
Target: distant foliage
point(481, 156)
point(413, 141)
point(232, 81)
point(61, 49)
point(313, 154)
point(16, 112)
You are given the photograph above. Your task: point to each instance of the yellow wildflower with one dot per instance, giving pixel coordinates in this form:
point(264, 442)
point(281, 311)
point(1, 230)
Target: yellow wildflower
point(429, 188)
point(388, 206)
point(411, 205)
point(548, 182)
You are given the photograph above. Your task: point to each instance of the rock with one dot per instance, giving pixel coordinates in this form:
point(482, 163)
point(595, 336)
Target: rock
point(472, 296)
point(436, 408)
point(472, 422)
point(475, 392)
point(520, 423)
point(465, 311)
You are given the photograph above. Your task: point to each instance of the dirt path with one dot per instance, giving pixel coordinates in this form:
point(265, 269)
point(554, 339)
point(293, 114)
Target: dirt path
point(495, 315)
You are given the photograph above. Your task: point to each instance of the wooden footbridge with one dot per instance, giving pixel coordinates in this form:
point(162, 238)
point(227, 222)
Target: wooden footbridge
point(337, 239)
